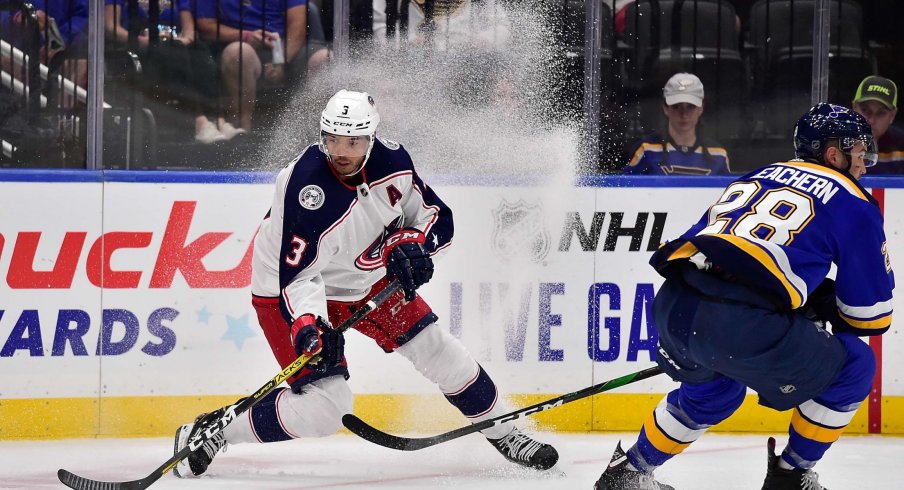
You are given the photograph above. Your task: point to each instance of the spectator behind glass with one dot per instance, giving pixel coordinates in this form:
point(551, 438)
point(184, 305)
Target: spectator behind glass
point(66, 21)
point(475, 38)
point(177, 64)
point(877, 100)
point(455, 23)
point(680, 152)
point(620, 8)
point(244, 41)
point(63, 25)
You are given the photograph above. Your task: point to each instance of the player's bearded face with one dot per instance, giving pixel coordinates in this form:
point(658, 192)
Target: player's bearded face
point(346, 152)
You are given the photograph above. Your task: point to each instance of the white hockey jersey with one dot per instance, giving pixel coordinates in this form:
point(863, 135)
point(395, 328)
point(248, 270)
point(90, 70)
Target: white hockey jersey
point(323, 239)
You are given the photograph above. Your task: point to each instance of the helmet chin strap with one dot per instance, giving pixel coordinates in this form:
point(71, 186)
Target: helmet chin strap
point(370, 147)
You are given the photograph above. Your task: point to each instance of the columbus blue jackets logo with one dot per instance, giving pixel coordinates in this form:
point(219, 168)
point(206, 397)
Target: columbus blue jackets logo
point(519, 231)
point(372, 258)
point(311, 197)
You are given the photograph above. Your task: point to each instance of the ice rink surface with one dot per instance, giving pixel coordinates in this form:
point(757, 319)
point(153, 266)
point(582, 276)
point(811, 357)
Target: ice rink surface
point(342, 461)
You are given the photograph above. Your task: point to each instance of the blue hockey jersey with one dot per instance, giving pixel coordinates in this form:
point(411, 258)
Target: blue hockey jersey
point(781, 227)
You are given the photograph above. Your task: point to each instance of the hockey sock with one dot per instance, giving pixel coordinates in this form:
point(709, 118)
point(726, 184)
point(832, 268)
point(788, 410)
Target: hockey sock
point(819, 422)
point(443, 359)
point(265, 421)
point(681, 418)
point(814, 427)
point(477, 401)
point(665, 433)
point(283, 415)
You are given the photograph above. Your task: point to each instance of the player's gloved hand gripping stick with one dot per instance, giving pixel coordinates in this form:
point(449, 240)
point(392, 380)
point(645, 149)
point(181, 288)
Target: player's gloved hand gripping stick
point(376, 436)
point(72, 480)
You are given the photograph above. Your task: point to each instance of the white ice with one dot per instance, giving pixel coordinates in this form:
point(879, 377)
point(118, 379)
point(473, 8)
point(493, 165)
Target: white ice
point(343, 461)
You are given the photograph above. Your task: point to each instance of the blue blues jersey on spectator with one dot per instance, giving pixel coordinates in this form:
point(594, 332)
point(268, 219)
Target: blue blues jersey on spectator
point(169, 13)
point(654, 155)
point(71, 16)
point(269, 15)
point(780, 229)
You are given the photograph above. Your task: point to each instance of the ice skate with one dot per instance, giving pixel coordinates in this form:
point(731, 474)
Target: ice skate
point(197, 462)
point(522, 449)
point(618, 476)
point(778, 478)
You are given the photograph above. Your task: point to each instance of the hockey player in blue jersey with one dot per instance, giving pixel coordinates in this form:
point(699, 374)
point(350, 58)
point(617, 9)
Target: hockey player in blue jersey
point(746, 296)
point(337, 232)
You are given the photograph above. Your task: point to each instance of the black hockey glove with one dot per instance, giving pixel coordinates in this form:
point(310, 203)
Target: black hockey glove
point(316, 337)
point(406, 260)
point(820, 306)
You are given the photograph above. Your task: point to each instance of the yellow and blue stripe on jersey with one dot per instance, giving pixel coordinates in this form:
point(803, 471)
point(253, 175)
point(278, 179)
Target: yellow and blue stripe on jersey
point(781, 227)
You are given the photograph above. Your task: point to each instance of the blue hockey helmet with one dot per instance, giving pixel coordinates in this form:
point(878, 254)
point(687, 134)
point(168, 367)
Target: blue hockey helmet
point(826, 122)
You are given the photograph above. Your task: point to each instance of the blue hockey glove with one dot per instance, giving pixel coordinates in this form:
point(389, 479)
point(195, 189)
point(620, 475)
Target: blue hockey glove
point(316, 337)
point(406, 260)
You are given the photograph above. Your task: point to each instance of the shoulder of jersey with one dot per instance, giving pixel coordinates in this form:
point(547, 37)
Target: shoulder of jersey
point(310, 165)
point(314, 188)
point(387, 157)
point(850, 186)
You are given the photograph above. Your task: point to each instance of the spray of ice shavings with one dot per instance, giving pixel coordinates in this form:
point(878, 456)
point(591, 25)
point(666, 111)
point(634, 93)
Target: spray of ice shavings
point(474, 110)
point(480, 115)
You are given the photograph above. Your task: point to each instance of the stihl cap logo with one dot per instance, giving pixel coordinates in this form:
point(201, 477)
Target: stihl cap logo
point(879, 88)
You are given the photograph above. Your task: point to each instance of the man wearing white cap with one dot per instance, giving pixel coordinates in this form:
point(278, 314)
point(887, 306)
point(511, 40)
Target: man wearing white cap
point(680, 152)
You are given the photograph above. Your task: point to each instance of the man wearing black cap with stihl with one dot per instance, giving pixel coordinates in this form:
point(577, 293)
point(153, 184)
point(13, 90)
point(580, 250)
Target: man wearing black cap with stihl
point(877, 100)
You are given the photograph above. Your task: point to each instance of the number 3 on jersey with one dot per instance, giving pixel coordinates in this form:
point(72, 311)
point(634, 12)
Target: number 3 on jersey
point(775, 215)
point(293, 258)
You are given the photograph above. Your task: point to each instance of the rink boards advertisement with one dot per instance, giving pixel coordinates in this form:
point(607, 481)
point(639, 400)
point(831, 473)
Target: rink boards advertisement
point(126, 305)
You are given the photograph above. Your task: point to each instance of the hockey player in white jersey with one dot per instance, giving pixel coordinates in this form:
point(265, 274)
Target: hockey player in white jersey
point(337, 232)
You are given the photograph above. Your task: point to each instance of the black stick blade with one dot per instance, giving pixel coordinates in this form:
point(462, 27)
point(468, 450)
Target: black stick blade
point(72, 480)
point(380, 438)
point(361, 429)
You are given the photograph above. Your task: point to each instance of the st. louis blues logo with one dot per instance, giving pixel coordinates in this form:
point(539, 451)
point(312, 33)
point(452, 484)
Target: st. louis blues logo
point(519, 231)
point(372, 257)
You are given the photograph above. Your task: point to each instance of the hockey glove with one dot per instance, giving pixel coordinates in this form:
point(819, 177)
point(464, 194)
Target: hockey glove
point(406, 260)
point(820, 306)
point(316, 337)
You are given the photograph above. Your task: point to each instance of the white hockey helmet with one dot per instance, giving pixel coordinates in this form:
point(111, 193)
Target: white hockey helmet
point(350, 114)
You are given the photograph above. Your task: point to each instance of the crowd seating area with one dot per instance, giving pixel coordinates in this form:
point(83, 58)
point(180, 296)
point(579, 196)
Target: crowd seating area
point(196, 84)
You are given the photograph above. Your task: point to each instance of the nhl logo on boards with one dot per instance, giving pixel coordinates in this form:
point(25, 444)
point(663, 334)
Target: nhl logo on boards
point(311, 197)
point(787, 389)
point(519, 232)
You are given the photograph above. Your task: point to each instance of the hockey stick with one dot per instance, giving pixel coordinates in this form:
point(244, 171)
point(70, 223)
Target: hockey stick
point(365, 431)
point(72, 480)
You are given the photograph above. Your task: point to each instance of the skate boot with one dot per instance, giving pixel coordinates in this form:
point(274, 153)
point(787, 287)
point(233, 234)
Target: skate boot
point(618, 476)
point(778, 478)
point(520, 448)
point(197, 462)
